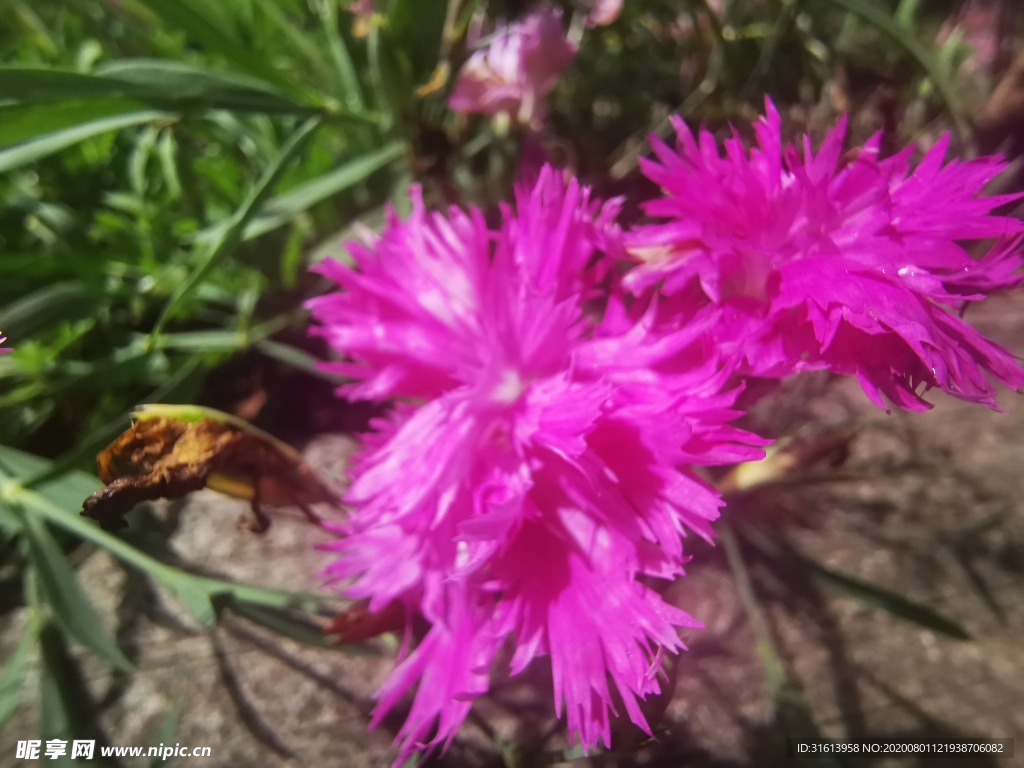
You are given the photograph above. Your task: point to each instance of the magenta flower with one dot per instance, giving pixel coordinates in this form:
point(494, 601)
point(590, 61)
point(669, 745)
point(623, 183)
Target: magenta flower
point(536, 465)
point(819, 261)
point(4, 350)
point(517, 70)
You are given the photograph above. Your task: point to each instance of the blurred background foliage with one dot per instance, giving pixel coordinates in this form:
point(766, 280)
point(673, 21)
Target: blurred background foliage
point(170, 168)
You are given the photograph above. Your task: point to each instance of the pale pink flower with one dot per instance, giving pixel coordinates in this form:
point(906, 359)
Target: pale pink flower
point(603, 12)
point(819, 261)
point(978, 22)
point(536, 466)
point(364, 11)
point(515, 72)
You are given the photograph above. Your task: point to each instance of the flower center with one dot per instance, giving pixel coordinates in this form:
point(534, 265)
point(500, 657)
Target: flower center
point(509, 387)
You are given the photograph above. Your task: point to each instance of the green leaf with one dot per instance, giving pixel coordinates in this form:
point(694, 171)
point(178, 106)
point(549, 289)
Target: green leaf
point(68, 710)
point(10, 522)
point(193, 594)
point(906, 13)
point(232, 235)
point(348, 87)
point(906, 37)
point(789, 707)
point(850, 586)
point(165, 83)
point(71, 605)
point(56, 717)
point(281, 209)
point(298, 359)
point(21, 122)
point(66, 490)
point(167, 731)
point(181, 82)
point(67, 125)
point(205, 23)
point(47, 307)
point(886, 600)
point(15, 668)
point(291, 254)
point(280, 621)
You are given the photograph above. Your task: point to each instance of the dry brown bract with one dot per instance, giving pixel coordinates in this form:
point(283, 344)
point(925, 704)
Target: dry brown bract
point(161, 457)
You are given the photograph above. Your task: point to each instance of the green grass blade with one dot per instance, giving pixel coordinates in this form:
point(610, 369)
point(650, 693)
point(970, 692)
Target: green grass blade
point(871, 13)
point(203, 22)
point(69, 709)
point(193, 594)
point(67, 490)
point(887, 600)
point(232, 235)
point(790, 709)
point(348, 88)
point(147, 80)
point(871, 595)
point(71, 605)
point(297, 358)
point(774, 673)
point(181, 81)
point(15, 669)
point(167, 732)
point(22, 122)
point(81, 124)
point(281, 622)
point(281, 209)
point(47, 307)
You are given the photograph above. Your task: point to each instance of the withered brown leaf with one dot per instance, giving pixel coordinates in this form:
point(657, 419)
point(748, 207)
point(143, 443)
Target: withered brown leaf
point(170, 451)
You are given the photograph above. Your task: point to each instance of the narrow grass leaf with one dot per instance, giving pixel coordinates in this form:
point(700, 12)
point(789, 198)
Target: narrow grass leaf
point(204, 23)
point(283, 208)
point(30, 150)
point(790, 709)
point(15, 668)
point(168, 731)
point(193, 594)
point(68, 709)
point(21, 122)
point(71, 605)
point(67, 490)
point(185, 83)
point(844, 584)
point(298, 359)
point(280, 621)
point(906, 37)
point(166, 83)
point(232, 235)
point(886, 600)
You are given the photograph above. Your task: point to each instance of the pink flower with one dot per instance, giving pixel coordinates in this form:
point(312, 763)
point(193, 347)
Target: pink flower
point(4, 350)
point(536, 465)
point(978, 22)
point(363, 10)
point(517, 70)
point(817, 261)
point(603, 12)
